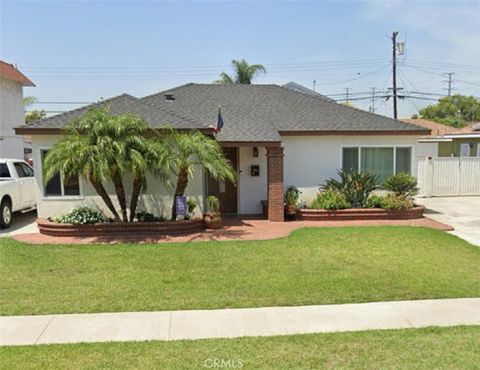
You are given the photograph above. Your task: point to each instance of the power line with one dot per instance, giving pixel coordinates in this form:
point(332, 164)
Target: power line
point(469, 82)
point(443, 63)
point(176, 67)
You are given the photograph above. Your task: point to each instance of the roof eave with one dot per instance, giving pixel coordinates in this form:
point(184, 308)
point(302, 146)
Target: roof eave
point(471, 135)
point(23, 130)
point(353, 132)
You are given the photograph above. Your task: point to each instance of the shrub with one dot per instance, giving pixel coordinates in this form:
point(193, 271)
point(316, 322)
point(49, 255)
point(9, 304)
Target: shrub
point(292, 195)
point(395, 202)
point(330, 199)
point(148, 217)
point(356, 186)
point(374, 201)
point(81, 216)
point(402, 185)
point(213, 204)
point(191, 204)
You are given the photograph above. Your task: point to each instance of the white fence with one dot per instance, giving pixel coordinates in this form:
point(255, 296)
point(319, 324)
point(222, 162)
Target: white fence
point(440, 176)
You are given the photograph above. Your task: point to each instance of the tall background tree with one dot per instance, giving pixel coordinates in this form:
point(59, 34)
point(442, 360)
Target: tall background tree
point(32, 115)
point(244, 73)
point(456, 110)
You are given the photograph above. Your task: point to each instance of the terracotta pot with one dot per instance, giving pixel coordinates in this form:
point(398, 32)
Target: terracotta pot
point(212, 220)
point(291, 209)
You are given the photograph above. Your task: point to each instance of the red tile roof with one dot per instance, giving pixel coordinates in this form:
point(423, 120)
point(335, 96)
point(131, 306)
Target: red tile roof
point(9, 71)
point(437, 128)
point(472, 128)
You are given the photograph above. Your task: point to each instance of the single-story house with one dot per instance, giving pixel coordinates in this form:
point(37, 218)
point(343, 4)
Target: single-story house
point(447, 141)
point(274, 137)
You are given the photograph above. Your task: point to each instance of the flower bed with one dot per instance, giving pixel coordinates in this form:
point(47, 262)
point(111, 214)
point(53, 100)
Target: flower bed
point(359, 214)
point(120, 228)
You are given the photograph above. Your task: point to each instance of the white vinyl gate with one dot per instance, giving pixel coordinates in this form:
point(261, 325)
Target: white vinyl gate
point(449, 176)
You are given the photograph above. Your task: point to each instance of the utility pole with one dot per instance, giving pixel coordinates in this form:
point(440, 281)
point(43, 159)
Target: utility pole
point(372, 105)
point(394, 69)
point(347, 89)
point(449, 82)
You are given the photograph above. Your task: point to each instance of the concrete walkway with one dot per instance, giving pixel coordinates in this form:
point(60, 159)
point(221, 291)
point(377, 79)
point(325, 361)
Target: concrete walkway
point(463, 213)
point(234, 229)
point(230, 323)
point(23, 223)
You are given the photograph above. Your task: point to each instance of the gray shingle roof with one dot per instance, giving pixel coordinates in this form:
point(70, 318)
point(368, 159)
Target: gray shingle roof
point(122, 104)
point(250, 112)
point(260, 112)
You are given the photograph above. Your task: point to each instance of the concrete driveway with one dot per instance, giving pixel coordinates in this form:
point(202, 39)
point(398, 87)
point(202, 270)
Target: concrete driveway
point(463, 213)
point(23, 223)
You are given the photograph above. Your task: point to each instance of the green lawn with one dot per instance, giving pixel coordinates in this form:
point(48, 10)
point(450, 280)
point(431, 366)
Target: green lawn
point(312, 266)
point(430, 348)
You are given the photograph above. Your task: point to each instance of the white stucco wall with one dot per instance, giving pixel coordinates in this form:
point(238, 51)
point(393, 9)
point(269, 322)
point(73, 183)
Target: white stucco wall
point(310, 160)
point(157, 199)
point(11, 115)
point(251, 189)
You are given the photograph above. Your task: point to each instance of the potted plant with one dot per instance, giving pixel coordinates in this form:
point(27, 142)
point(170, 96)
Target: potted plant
point(191, 205)
point(292, 196)
point(212, 218)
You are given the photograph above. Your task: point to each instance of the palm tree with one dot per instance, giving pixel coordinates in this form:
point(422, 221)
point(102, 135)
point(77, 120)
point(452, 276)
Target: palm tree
point(33, 115)
point(102, 147)
point(154, 154)
point(128, 142)
point(194, 149)
point(244, 73)
point(84, 150)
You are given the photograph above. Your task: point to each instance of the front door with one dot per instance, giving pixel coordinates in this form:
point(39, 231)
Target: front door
point(224, 189)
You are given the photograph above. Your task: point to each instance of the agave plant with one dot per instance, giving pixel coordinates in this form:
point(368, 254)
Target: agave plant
point(356, 186)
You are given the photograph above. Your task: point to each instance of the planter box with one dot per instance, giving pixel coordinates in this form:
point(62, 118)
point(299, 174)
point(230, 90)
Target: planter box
point(121, 228)
point(359, 214)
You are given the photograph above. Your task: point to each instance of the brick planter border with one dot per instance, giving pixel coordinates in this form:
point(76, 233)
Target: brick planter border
point(359, 214)
point(112, 229)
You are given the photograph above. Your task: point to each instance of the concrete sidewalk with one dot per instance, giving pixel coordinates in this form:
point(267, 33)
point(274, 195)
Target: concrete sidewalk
point(230, 323)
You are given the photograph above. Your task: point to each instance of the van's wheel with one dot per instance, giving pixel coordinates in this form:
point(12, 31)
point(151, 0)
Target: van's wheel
point(5, 214)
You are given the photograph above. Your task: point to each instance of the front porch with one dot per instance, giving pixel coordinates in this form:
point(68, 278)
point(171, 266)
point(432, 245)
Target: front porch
point(259, 168)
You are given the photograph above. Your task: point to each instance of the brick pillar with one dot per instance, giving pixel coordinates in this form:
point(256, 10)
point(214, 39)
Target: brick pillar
point(275, 184)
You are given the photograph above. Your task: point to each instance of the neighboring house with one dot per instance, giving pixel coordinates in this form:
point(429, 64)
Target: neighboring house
point(450, 141)
point(300, 88)
point(274, 137)
point(12, 112)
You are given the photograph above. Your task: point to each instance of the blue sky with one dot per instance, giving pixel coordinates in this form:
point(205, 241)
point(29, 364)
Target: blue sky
point(83, 51)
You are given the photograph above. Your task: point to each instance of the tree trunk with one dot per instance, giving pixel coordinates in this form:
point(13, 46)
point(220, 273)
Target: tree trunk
point(120, 191)
point(103, 193)
point(137, 187)
point(182, 182)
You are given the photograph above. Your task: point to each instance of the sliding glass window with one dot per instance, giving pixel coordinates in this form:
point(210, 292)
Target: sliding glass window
point(381, 161)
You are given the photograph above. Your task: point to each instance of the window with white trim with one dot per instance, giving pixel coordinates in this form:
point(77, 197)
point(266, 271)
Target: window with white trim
point(381, 161)
point(58, 187)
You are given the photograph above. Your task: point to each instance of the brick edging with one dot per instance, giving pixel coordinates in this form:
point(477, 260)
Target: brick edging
point(120, 228)
point(360, 214)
